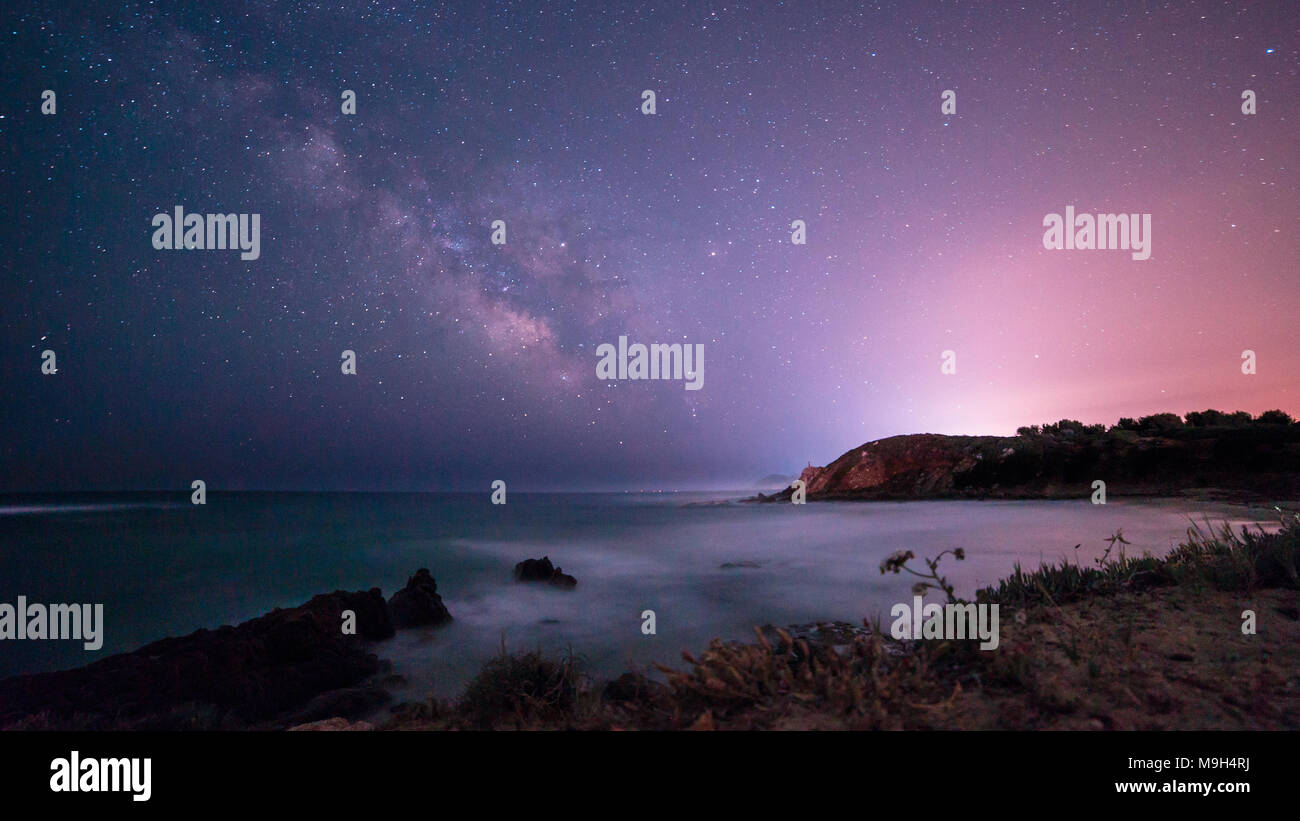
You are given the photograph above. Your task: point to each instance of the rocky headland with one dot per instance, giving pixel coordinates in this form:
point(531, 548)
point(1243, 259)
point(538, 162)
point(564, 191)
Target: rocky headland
point(1212, 454)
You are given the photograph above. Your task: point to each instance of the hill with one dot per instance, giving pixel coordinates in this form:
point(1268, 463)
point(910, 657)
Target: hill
point(1209, 453)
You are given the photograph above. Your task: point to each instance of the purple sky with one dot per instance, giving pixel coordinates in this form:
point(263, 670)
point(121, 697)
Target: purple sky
point(478, 362)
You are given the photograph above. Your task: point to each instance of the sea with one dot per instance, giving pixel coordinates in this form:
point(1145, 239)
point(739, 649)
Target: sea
point(707, 565)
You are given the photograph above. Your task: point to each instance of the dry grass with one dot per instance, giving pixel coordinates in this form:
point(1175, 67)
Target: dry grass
point(790, 683)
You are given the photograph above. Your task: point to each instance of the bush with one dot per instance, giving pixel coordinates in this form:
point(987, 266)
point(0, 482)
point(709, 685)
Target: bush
point(1207, 418)
point(521, 690)
point(1159, 423)
point(1274, 417)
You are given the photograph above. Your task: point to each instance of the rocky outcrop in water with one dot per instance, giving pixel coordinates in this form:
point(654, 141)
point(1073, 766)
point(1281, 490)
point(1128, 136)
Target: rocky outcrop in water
point(418, 604)
point(541, 570)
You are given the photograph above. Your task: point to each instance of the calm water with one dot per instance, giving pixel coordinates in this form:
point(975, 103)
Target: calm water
point(167, 568)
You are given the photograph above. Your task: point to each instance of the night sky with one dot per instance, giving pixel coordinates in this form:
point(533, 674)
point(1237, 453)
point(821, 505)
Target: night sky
point(478, 362)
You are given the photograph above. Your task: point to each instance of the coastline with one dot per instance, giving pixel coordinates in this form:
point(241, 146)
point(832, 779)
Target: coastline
point(1132, 644)
point(349, 681)
point(1211, 495)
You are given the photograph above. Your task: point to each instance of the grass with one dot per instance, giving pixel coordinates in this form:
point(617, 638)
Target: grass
point(1227, 561)
point(871, 683)
point(1219, 558)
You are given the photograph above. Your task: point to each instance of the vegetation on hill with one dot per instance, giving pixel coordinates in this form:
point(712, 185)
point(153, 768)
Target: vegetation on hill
point(1209, 451)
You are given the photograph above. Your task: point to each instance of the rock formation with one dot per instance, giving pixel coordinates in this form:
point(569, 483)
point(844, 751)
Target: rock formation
point(418, 604)
point(290, 666)
point(231, 676)
point(541, 570)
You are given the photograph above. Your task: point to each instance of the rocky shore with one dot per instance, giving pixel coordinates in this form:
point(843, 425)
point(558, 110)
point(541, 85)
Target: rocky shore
point(314, 666)
point(289, 666)
point(1205, 638)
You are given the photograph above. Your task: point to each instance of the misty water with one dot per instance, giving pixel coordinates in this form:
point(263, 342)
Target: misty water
point(165, 567)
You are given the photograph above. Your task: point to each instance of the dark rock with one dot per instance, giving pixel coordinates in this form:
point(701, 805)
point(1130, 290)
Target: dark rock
point(563, 580)
point(541, 570)
point(780, 496)
point(373, 619)
point(418, 604)
point(235, 676)
point(534, 570)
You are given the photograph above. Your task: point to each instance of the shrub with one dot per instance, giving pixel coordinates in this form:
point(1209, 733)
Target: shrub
point(1274, 417)
point(521, 690)
point(1207, 418)
point(1158, 423)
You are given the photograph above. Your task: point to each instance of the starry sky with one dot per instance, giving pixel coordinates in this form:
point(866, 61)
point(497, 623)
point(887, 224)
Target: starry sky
point(477, 362)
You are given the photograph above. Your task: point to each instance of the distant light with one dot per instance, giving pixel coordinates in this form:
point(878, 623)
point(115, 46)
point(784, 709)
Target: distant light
point(1268, 51)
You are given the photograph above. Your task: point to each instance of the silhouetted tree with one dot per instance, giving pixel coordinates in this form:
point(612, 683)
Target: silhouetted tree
point(1158, 423)
point(1207, 418)
point(1274, 417)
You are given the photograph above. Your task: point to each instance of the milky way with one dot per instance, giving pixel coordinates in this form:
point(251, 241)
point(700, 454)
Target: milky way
point(478, 361)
